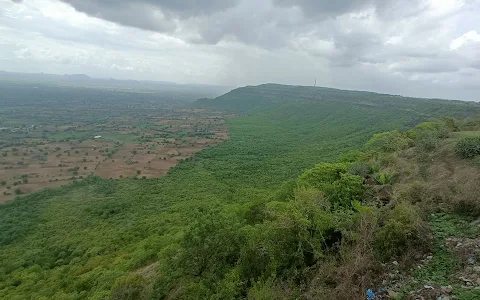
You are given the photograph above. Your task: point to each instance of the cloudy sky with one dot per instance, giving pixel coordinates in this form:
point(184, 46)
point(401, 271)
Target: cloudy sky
point(428, 48)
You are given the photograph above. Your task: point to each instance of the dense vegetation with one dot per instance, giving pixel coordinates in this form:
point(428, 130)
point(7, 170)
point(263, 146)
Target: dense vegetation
point(253, 217)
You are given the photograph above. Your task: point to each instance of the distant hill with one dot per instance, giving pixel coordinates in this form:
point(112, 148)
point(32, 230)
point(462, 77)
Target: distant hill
point(251, 98)
point(83, 80)
point(43, 76)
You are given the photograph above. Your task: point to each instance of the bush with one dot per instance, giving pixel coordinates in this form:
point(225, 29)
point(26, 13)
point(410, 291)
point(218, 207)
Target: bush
point(427, 141)
point(383, 178)
point(361, 169)
point(345, 190)
point(390, 141)
point(129, 288)
point(465, 201)
point(402, 231)
point(468, 147)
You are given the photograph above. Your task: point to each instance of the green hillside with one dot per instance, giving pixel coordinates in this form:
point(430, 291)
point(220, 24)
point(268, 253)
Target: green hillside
point(192, 233)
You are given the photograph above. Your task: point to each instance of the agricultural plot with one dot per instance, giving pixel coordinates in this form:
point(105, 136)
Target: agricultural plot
point(47, 143)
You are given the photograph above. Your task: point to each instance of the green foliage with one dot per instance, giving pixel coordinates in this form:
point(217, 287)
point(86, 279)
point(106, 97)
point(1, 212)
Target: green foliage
point(323, 175)
point(361, 169)
point(353, 156)
point(383, 178)
point(388, 141)
point(468, 147)
point(427, 135)
point(210, 244)
point(403, 230)
point(129, 288)
point(263, 291)
point(427, 141)
point(292, 238)
point(346, 189)
point(451, 124)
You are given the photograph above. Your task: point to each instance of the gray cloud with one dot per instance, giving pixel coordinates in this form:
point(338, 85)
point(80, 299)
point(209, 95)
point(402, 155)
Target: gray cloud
point(435, 66)
point(155, 15)
point(264, 23)
point(183, 8)
point(325, 8)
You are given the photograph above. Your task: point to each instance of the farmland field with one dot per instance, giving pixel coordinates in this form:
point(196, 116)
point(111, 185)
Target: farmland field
point(52, 137)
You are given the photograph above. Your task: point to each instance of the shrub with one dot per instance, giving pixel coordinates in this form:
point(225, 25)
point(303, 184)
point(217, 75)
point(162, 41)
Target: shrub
point(451, 124)
point(351, 156)
point(388, 141)
point(129, 288)
point(468, 147)
point(383, 178)
point(345, 190)
point(427, 141)
point(360, 169)
point(465, 201)
point(402, 231)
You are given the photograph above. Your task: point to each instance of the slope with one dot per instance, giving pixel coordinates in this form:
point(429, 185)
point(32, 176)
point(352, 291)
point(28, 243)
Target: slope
point(85, 240)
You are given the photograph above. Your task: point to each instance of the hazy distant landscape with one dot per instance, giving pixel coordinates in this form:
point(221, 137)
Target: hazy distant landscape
point(59, 129)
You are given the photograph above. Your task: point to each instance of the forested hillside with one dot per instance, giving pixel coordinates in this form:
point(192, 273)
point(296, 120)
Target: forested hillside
point(233, 221)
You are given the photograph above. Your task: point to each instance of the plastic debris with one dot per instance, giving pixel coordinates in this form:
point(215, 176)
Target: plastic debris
point(370, 295)
point(471, 260)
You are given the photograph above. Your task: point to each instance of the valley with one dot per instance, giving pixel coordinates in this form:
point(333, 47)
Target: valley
point(257, 215)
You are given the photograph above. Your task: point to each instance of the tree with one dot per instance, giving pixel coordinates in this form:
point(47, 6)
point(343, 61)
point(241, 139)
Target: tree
point(322, 175)
point(210, 244)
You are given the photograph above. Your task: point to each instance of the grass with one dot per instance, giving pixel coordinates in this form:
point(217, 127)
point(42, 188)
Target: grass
point(442, 268)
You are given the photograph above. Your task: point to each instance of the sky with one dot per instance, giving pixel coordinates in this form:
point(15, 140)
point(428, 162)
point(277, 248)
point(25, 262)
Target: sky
point(425, 48)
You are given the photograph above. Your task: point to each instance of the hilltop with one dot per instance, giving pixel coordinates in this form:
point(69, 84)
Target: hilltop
point(248, 218)
point(243, 100)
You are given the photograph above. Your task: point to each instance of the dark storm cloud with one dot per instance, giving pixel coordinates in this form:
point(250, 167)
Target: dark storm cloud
point(155, 15)
point(263, 23)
